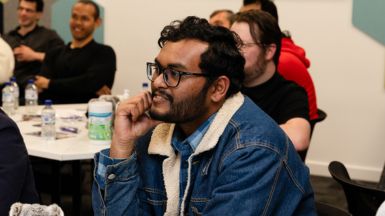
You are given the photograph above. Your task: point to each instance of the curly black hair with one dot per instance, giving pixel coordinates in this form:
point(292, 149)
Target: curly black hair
point(222, 56)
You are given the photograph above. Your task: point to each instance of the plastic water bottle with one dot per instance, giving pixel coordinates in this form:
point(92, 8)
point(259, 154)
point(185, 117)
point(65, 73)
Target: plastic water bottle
point(48, 131)
point(16, 93)
point(31, 97)
point(8, 99)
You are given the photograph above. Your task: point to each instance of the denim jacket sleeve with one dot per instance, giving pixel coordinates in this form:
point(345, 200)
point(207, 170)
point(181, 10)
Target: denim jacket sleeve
point(256, 181)
point(115, 185)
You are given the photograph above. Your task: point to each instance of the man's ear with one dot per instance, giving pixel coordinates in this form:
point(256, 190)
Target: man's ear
point(270, 51)
point(39, 15)
point(98, 22)
point(219, 88)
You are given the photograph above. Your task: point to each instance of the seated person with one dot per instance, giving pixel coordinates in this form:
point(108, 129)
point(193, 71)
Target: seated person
point(282, 100)
point(30, 41)
point(221, 18)
point(16, 179)
point(82, 70)
point(292, 64)
point(190, 146)
point(7, 62)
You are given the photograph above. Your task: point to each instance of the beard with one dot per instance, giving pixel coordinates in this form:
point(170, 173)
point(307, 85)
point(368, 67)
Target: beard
point(186, 110)
point(255, 72)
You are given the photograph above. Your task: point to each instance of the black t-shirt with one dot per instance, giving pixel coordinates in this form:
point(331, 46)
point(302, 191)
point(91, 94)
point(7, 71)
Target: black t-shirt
point(280, 99)
point(77, 74)
point(40, 39)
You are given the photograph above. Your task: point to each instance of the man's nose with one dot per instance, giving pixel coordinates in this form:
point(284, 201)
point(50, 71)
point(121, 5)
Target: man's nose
point(159, 82)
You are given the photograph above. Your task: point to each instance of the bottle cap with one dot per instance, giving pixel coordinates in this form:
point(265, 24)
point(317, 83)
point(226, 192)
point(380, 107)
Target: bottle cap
point(31, 81)
point(7, 83)
point(13, 79)
point(144, 85)
point(100, 107)
point(48, 102)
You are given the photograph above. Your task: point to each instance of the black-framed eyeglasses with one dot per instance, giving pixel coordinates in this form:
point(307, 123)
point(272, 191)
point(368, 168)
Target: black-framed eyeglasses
point(170, 76)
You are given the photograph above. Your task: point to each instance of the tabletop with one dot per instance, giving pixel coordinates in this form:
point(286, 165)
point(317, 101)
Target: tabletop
point(71, 147)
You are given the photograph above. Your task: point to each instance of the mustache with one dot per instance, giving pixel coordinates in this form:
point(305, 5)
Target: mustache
point(162, 93)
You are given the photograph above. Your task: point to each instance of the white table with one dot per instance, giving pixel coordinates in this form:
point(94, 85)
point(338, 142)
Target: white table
point(78, 147)
point(73, 149)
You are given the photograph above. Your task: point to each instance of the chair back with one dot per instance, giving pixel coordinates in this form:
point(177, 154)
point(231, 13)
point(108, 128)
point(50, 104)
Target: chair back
point(321, 116)
point(362, 199)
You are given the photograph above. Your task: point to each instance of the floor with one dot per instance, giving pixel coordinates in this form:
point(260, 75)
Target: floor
point(326, 190)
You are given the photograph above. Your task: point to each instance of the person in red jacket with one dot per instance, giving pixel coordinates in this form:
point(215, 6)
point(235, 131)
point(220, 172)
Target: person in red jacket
point(293, 64)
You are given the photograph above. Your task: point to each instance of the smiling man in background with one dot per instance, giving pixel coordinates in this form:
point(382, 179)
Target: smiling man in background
point(82, 70)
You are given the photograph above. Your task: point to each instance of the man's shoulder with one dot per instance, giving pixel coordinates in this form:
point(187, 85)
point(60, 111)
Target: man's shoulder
point(103, 47)
point(6, 122)
point(288, 86)
point(45, 29)
point(46, 32)
point(12, 32)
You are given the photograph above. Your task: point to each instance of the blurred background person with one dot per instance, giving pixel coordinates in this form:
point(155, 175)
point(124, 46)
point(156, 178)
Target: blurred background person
point(82, 70)
point(30, 41)
point(282, 100)
point(293, 64)
point(221, 18)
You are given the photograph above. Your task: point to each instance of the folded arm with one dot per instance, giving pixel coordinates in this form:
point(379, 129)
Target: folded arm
point(298, 130)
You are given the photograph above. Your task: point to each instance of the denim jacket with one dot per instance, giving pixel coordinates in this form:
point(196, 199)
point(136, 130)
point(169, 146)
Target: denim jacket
point(244, 165)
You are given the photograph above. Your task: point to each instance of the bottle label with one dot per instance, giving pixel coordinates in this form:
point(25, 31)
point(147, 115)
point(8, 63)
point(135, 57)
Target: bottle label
point(99, 126)
point(30, 94)
point(48, 118)
point(8, 97)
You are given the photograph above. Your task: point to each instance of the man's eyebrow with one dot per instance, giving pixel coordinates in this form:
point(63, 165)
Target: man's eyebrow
point(171, 65)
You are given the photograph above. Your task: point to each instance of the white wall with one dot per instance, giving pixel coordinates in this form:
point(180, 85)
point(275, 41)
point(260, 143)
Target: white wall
point(347, 68)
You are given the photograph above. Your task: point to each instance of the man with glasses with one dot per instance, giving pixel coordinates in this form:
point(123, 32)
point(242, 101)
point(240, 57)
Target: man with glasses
point(82, 70)
point(30, 41)
point(282, 100)
point(191, 147)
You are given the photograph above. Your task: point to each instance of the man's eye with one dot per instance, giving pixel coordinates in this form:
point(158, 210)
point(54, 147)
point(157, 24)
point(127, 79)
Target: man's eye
point(174, 74)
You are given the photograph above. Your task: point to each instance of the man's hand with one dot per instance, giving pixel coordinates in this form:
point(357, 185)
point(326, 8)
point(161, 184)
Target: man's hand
point(41, 83)
point(25, 53)
point(131, 122)
point(105, 90)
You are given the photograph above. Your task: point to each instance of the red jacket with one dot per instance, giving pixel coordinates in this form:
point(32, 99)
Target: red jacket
point(293, 66)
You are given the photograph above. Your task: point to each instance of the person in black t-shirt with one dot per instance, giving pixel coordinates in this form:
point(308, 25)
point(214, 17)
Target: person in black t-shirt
point(282, 100)
point(82, 70)
point(30, 42)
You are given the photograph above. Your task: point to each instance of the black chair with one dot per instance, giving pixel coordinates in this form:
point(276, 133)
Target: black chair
point(324, 209)
point(362, 199)
point(321, 116)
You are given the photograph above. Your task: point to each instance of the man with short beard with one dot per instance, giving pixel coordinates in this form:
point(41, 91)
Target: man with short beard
point(82, 70)
point(282, 100)
point(196, 145)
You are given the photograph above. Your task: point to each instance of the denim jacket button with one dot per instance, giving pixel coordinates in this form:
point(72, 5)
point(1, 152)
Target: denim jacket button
point(111, 176)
